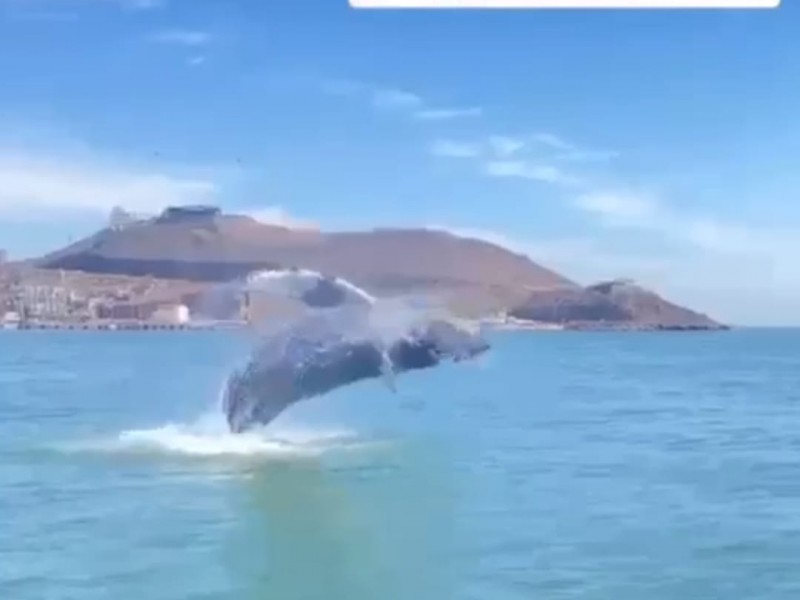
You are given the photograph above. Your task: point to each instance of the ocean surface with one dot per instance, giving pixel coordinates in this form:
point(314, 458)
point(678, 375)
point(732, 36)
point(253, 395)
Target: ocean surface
point(593, 466)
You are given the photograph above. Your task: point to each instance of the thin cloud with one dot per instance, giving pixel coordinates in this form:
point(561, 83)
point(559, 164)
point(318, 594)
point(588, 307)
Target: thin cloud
point(504, 146)
point(529, 170)
point(553, 141)
point(726, 268)
point(182, 37)
point(196, 61)
point(561, 149)
point(621, 208)
point(522, 157)
point(398, 100)
point(451, 149)
point(395, 99)
point(579, 155)
point(35, 182)
point(444, 114)
point(639, 211)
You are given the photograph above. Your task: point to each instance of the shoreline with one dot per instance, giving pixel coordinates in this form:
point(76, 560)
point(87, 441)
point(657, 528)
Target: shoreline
point(85, 327)
point(489, 324)
point(122, 326)
point(593, 326)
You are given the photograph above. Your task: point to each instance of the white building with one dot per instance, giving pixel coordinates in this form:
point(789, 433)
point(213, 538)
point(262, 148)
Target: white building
point(11, 320)
point(172, 314)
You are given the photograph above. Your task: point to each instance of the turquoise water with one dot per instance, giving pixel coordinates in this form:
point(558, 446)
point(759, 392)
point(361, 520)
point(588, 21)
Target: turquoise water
point(564, 465)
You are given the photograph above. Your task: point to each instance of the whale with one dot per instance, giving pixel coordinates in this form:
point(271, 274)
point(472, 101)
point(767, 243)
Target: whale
point(346, 336)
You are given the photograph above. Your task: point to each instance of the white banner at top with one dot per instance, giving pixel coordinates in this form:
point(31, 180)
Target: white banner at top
point(505, 4)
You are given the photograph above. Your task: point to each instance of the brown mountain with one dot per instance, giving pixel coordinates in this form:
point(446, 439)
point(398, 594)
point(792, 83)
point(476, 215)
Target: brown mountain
point(473, 276)
point(201, 244)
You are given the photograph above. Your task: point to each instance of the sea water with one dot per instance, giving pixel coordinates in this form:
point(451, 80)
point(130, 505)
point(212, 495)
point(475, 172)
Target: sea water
point(598, 466)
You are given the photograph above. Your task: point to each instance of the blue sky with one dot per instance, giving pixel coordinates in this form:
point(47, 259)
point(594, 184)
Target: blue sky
point(656, 145)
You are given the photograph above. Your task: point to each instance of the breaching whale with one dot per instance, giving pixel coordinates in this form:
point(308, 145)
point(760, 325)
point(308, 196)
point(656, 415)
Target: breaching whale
point(347, 336)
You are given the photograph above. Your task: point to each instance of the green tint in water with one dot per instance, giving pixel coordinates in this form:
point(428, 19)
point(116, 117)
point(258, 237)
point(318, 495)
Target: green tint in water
point(563, 466)
point(354, 532)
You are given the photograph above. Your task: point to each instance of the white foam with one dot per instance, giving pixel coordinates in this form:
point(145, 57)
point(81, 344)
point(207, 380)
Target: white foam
point(174, 439)
point(208, 437)
point(295, 282)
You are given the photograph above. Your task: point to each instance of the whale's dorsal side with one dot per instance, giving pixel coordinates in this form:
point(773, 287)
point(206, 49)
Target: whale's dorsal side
point(341, 341)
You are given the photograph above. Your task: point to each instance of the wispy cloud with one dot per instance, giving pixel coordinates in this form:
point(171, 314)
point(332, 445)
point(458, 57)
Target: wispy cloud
point(181, 37)
point(196, 61)
point(552, 141)
point(443, 114)
point(399, 100)
point(621, 208)
point(579, 155)
point(643, 212)
point(504, 157)
point(504, 146)
point(723, 266)
point(530, 170)
point(451, 149)
point(278, 216)
point(35, 182)
point(396, 99)
point(542, 157)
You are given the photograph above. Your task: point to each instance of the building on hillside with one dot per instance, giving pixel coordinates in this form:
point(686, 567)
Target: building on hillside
point(120, 218)
point(44, 301)
point(120, 312)
point(11, 320)
point(179, 214)
point(171, 314)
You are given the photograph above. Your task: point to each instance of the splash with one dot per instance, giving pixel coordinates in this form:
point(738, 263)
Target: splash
point(344, 335)
point(311, 287)
point(209, 437)
point(181, 440)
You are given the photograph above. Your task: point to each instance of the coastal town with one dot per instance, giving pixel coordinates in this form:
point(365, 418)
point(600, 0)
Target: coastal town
point(167, 272)
point(33, 298)
point(40, 299)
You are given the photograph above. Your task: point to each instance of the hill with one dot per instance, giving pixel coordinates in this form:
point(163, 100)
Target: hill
point(614, 304)
point(474, 277)
point(205, 245)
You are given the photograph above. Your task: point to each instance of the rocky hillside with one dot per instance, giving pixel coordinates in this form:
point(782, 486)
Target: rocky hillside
point(614, 304)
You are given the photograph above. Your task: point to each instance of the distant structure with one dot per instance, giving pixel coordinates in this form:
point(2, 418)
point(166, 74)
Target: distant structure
point(171, 314)
point(120, 218)
point(180, 214)
point(45, 301)
point(3, 256)
point(11, 320)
